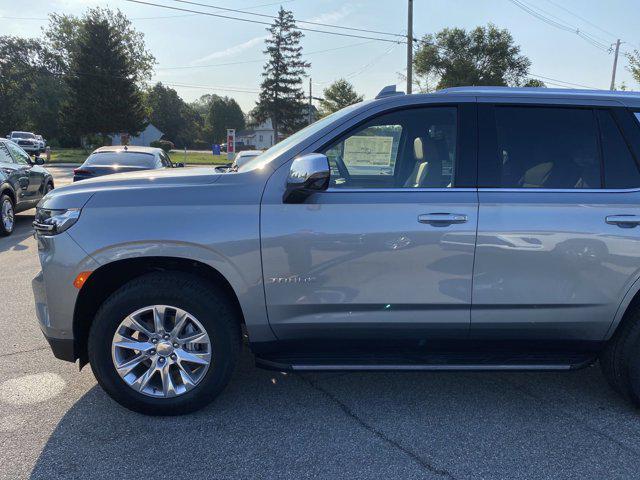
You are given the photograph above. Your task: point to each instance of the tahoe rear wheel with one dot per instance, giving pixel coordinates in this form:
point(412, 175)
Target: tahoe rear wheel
point(620, 360)
point(164, 344)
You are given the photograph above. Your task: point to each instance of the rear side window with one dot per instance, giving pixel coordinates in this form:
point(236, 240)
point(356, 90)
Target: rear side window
point(547, 147)
point(620, 167)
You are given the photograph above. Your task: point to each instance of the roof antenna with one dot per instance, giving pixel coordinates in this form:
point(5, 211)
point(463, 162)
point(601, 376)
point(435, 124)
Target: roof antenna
point(125, 148)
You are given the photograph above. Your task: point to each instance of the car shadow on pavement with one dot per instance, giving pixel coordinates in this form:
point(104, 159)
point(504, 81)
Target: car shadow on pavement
point(360, 425)
point(23, 229)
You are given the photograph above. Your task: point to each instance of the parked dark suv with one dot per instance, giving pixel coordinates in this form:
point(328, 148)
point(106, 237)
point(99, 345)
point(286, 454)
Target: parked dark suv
point(470, 229)
point(23, 182)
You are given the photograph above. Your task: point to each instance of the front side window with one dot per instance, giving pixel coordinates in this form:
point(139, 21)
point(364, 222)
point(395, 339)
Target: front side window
point(21, 157)
point(414, 148)
point(547, 147)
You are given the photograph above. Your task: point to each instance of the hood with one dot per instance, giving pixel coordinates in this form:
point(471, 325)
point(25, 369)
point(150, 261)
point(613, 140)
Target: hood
point(77, 194)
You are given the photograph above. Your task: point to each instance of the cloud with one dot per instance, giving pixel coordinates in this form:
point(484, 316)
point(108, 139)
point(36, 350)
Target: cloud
point(234, 50)
point(334, 16)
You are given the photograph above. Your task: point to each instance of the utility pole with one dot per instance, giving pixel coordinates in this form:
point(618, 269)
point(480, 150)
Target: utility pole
point(310, 98)
point(409, 46)
point(615, 66)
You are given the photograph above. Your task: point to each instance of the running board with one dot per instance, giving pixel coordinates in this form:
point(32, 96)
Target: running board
point(549, 362)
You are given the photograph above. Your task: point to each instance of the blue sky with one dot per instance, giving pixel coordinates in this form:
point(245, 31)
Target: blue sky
point(203, 43)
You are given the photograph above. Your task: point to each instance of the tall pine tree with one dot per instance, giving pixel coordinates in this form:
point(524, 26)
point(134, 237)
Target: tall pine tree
point(104, 96)
point(281, 97)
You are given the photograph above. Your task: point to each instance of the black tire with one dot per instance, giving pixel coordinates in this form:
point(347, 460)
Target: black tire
point(193, 294)
point(4, 231)
point(620, 359)
point(48, 187)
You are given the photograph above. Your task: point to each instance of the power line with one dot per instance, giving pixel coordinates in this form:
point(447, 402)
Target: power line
point(535, 12)
point(306, 22)
point(552, 80)
point(247, 20)
point(581, 18)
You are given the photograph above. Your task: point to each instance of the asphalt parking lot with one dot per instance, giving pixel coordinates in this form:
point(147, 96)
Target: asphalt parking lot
point(55, 422)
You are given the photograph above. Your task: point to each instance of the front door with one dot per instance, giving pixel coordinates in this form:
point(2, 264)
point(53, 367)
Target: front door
point(33, 177)
point(386, 253)
point(558, 243)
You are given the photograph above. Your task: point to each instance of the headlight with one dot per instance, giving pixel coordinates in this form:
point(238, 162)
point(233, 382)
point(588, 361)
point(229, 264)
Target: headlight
point(53, 222)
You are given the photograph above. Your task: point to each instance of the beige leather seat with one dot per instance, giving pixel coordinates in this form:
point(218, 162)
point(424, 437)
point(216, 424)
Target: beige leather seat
point(428, 155)
point(419, 172)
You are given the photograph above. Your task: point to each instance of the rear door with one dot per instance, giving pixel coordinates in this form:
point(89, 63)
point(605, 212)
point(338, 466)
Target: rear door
point(558, 243)
point(385, 255)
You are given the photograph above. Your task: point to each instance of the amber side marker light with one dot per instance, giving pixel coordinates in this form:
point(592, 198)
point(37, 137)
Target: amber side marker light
point(80, 279)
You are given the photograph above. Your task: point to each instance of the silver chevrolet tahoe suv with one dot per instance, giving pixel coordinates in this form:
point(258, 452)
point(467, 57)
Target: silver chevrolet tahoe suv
point(470, 229)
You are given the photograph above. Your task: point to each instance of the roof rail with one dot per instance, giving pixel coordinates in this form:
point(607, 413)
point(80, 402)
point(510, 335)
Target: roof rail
point(388, 91)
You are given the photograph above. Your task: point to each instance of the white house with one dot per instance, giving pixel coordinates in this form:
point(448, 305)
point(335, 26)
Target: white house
point(148, 135)
point(260, 137)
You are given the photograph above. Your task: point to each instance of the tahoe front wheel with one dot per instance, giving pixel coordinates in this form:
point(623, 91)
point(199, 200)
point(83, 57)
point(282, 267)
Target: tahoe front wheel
point(164, 344)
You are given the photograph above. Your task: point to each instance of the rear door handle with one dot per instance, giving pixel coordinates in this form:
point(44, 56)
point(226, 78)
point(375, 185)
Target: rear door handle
point(623, 221)
point(442, 219)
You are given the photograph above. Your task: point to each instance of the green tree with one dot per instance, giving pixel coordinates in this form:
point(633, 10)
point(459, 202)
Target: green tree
point(30, 91)
point(172, 115)
point(483, 56)
point(338, 95)
point(223, 113)
point(63, 37)
point(634, 64)
point(105, 62)
point(534, 82)
point(281, 95)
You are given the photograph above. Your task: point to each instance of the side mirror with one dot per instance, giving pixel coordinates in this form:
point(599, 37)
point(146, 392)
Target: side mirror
point(8, 136)
point(308, 174)
point(178, 165)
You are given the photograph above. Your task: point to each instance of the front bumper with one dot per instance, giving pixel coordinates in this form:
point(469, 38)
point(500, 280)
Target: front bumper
point(55, 297)
point(30, 148)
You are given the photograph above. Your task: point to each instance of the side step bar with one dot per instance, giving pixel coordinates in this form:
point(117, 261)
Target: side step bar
point(527, 363)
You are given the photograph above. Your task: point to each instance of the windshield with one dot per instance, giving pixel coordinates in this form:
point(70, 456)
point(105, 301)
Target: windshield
point(278, 148)
point(23, 135)
point(124, 159)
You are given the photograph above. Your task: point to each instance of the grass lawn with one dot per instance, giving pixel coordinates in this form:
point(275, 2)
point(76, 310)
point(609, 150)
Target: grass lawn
point(78, 155)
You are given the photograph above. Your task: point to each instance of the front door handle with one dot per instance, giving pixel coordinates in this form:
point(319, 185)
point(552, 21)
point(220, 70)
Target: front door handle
point(623, 221)
point(442, 219)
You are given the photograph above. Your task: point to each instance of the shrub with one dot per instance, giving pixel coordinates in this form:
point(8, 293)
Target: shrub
point(165, 145)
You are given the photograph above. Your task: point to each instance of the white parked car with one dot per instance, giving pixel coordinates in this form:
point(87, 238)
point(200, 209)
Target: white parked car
point(244, 156)
point(42, 142)
point(26, 140)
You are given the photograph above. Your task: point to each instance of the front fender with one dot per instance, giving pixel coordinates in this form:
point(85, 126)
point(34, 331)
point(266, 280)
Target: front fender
point(246, 283)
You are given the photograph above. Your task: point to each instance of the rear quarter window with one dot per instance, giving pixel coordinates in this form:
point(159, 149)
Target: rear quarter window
point(620, 166)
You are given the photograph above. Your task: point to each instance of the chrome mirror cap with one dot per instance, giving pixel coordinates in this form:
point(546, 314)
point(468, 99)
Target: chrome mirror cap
point(308, 173)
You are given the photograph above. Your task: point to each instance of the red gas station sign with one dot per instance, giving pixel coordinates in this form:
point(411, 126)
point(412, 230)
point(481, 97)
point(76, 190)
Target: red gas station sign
point(231, 140)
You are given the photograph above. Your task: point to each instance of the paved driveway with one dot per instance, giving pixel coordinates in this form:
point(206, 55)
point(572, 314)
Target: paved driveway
point(56, 423)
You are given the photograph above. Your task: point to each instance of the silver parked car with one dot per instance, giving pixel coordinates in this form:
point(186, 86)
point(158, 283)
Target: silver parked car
point(470, 229)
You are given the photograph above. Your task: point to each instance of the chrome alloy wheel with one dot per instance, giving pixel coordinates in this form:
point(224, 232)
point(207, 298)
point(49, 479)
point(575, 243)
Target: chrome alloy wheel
point(161, 351)
point(6, 214)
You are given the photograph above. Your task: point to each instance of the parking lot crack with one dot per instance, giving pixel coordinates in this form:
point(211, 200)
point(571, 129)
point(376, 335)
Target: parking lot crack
point(580, 421)
point(23, 351)
point(422, 462)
